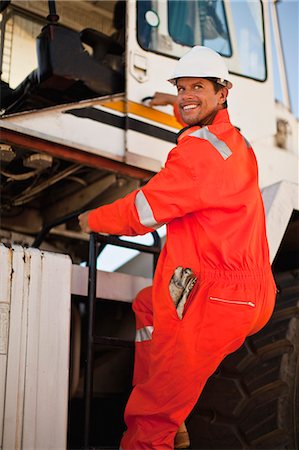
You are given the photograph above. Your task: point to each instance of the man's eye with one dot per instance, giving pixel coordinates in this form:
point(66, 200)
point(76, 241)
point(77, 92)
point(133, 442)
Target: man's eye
point(197, 87)
point(180, 90)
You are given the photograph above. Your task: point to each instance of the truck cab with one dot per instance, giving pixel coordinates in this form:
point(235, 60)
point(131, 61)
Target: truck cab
point(77, 132)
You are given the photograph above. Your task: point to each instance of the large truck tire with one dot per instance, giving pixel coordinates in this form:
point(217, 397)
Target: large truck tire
point(252, 401)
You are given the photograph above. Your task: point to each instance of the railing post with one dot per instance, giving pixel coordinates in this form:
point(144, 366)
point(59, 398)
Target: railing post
point(88, 387)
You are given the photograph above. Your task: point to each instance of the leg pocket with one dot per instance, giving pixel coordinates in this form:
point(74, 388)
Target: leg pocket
point(232, 301)
point(181, 289)
point(229, 314)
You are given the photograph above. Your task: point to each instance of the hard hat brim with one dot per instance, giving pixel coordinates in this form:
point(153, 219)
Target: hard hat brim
point(225, 83)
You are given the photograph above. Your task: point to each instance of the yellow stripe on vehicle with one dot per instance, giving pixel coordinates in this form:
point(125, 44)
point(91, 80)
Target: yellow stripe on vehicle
point(144, 111)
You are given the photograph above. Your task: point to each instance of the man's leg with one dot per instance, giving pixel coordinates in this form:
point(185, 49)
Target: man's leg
point(143, 309)
point(184, 353)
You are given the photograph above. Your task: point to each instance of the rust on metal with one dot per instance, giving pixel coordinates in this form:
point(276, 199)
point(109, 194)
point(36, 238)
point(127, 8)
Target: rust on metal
point(71, 154)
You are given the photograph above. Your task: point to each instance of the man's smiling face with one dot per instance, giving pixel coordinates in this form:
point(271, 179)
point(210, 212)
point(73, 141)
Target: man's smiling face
point(197, 100)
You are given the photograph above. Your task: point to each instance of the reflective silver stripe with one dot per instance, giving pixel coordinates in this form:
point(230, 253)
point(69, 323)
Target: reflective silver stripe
point(145, 212)
point(144, 334)
point(220, 146)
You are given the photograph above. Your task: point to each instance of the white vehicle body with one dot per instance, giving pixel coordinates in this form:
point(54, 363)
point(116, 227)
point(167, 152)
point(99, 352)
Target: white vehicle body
point(107, 145)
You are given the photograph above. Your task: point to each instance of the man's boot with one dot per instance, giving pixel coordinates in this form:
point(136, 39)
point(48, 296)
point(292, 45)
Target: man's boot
point(181, 439)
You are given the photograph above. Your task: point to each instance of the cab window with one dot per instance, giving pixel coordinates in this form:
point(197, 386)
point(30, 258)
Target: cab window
point(234, 29)
point(199, 22)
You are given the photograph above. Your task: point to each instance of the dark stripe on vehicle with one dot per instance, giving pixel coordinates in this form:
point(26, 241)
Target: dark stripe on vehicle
point(119, 122)
point(151, 130)
point(98, 116)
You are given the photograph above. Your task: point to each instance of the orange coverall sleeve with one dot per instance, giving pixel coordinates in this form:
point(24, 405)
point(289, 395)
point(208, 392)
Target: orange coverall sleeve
point(119, 217)
point(175, 191)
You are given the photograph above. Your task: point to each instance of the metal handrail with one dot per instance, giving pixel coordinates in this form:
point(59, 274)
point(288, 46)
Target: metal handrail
point(55, 223)
point(92, 289)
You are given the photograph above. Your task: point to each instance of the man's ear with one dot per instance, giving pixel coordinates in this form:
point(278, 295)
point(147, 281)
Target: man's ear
point(223, 93)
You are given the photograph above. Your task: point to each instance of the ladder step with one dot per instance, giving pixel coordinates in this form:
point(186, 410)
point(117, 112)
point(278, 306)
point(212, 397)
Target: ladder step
point(113, 341)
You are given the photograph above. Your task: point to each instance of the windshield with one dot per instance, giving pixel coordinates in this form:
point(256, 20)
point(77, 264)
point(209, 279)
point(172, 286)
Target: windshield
point(233, 29)
point(199, 22)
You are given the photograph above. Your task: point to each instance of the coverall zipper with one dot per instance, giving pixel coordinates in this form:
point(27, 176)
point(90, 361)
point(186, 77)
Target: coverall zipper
point(236, 302)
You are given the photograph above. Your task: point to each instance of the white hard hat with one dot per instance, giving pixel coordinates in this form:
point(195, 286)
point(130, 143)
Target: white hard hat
point(202, 62)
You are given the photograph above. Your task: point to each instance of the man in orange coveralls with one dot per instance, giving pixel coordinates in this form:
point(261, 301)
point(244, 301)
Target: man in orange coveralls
point(213, 284)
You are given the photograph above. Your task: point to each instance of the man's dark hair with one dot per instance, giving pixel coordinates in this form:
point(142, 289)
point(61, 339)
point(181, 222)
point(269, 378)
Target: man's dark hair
point(217, 87)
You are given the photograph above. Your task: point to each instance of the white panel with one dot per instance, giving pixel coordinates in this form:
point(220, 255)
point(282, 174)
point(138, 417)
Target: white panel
point(45, 419)
point(13, 412)
point(4, 324)
point(149, 147)
point(36, 391)
point(29, 432)
point(275, 164)
point(5, 272)
point(56, 125)
point(280, 200)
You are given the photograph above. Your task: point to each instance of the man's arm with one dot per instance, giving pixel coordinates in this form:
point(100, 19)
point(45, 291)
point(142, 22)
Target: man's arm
point(174, 192)
point(83, 222)
point(119, 217)
point(164, 99)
